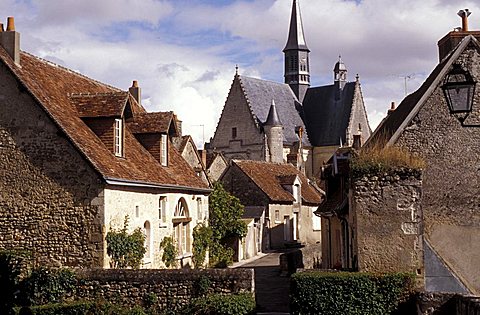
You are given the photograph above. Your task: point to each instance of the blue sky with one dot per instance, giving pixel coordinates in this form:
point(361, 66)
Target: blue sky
point(183, 53)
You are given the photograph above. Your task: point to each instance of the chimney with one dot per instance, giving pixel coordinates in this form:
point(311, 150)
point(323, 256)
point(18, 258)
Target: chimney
point(452, 39)
point(136, 92)
point(392, 109)
point(203, 154)
point(10, 40)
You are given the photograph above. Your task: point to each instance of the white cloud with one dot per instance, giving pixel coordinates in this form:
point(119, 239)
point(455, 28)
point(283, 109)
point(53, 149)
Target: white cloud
point(183, 53)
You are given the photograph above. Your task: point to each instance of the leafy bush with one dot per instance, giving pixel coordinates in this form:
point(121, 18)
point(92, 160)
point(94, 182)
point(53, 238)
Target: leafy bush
point(349, 293)
point(202, 236)
point(126, 250)
point(10, 270)
point(45, 285)
point(169, 256)
point(380, 158)
point(234, 304)
point(202, 285)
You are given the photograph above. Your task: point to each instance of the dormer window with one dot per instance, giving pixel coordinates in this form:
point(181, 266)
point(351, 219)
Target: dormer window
point(118, 137)
point(164, 150)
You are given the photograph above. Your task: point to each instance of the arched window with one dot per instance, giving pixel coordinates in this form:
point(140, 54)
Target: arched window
point(148, 239)
point(181, 227)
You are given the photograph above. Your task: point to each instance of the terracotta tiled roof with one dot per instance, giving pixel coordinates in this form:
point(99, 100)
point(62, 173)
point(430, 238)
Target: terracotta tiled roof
point(266, 177)
point(100, 104)
point(52, 87)
point(151, 122)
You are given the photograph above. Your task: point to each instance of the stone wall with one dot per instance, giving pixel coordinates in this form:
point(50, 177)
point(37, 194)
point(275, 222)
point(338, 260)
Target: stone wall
point(249, 142)
point(451, 198)
point(171, 287)
point(388, 216)
point(49, 194)
point(447, 304)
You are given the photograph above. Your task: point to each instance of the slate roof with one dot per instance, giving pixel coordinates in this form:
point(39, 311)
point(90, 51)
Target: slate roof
point(393, 122)
point(326, 118)
point(296, 37)
point(260, 94)
point(266, 176)
point(158, 122)
point(52, 85)
point(255, 212)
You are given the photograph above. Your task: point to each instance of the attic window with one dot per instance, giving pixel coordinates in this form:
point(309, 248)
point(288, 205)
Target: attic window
point(234, 133)
point(118, 137)
point(164, 150)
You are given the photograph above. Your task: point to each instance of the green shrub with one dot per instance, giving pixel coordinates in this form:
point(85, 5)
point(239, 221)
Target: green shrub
point(45, 285)
point(234, 304)
point(337, 293)
point(10, 270)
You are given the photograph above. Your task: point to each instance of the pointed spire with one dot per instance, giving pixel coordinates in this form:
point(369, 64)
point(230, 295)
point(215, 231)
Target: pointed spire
point(272, 118)
point(296, 38)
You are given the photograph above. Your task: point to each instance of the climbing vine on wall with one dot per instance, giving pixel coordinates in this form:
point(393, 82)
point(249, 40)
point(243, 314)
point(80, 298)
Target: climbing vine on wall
point(126, 250)
point(202, 236)
point(169, 256)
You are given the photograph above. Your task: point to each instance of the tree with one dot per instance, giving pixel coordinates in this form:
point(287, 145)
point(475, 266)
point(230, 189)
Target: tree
point(226, 224)
point(126, 250)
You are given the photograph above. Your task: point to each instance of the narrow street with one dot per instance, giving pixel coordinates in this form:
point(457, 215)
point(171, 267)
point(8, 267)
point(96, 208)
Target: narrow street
point(271, 289)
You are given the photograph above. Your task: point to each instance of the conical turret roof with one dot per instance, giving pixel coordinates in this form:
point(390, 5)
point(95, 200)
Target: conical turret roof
point(272, 118)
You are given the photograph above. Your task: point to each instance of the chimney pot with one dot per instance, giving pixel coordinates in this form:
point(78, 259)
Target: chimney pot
point(464, 14)
point(392, 108)
point(10, 24)
point(135, 83)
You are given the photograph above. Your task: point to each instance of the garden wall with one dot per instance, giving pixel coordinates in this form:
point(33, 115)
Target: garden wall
point(169, 288)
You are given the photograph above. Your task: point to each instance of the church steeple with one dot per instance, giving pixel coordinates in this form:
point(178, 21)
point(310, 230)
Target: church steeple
point(340, 73)
point(297, 63)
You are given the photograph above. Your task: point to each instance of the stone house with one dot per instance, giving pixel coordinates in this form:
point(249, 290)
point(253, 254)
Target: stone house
point(77, 156)
point(312, 121)
point(442, 217)
point(371, 221)
point(188, 149)
point(279, 198)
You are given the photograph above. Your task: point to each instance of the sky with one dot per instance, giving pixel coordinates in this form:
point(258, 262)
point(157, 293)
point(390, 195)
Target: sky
point(183, 53)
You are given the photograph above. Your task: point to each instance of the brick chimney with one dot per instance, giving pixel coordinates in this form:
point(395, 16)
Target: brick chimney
point(10, 40)
point(452, 39)
point(136, 92)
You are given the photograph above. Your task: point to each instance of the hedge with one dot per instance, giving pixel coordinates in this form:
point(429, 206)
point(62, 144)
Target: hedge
point(80, 308)
point(338, 293)
point(232, 304)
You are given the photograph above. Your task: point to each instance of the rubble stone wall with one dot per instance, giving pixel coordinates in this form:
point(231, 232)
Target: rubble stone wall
point(171, 287)
point(388, 216)
point(50, 198)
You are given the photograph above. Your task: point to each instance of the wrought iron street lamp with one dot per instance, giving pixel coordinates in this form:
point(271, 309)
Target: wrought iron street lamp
point(459, 90)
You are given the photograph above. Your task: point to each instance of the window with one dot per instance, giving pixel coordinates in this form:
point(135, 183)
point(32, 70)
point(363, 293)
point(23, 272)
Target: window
point(163, 150)
point(118, 137)
point(277, 216)
point(199, 209)
point(148, 239)
point(137, 211)
point(162, 209)
point(181, 227)
point(234, 133)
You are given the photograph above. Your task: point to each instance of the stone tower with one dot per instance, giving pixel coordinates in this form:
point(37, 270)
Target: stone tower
point(297, 63)
point(274, 133)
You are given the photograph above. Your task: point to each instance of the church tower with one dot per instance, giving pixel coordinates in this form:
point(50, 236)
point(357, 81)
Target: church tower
point(340, 74)
point(297, 63)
